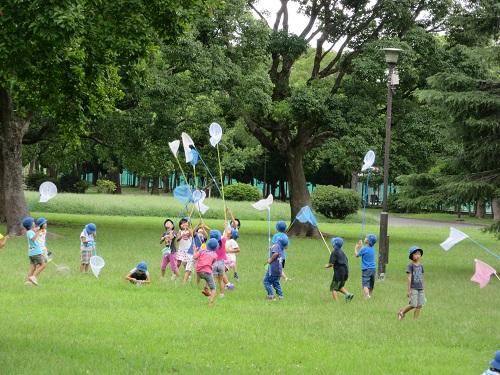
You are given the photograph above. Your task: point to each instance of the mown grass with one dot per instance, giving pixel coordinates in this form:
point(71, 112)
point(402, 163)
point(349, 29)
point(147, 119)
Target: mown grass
point(447, 217)
point(77, 324)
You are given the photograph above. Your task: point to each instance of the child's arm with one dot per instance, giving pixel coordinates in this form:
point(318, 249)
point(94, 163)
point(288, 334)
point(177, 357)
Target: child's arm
point(358, 247)
point(147, 281)
point(409, 285)
point(130, 278)
point(272, 258)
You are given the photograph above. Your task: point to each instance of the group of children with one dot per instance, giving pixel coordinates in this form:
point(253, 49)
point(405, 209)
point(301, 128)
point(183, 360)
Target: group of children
point(211, 254)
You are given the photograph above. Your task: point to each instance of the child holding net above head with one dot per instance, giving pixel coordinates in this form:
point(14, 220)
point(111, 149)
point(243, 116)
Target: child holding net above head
point(169, 250)
point(42, 238)
point(281, 232)
point(87, 246)
point(205, 258)
point(234, 223)
point(185, 248)
point(232, 248)
point(139, 274)
point(35, 252)
point(338, 260)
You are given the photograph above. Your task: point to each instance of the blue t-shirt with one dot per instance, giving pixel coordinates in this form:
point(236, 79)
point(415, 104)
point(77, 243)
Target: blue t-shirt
point(274, 240)
point(367, 255)
point(275, 267)
point(33, 245)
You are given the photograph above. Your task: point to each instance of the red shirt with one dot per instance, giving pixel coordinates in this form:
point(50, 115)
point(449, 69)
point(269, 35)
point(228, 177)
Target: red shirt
point(205, 259)
point(221, 251)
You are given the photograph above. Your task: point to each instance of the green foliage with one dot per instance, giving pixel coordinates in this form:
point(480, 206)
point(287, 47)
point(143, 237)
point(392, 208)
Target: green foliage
point(105, 186)
point(334, 202)
point(70, 183)
point(34, 180)
point(242, 192)
point(81, 186)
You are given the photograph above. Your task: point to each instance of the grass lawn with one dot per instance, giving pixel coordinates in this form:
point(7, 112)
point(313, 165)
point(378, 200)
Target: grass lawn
point(447, 217)
point(77, 324)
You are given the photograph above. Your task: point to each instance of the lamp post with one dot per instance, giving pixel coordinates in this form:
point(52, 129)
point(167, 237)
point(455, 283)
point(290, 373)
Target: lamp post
point(391, 58)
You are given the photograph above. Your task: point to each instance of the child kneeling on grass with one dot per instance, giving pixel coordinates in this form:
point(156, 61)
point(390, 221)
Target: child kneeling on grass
point(415, 290)
point(35, 252)
point(139, 274)
point(339, 261)
point(494, 365)
point(204, 263)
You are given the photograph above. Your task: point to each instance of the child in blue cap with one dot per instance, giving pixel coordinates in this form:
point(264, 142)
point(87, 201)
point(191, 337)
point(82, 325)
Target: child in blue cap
point(281, 232)
point(87, 246)
point(42, 237)
point(368, 265)
point(494, 365)
point(204, 267)
point(139, 274)
point(274, 269)
point(415, 289)
point(232, 248)
point(35, 252)
point(338, 260)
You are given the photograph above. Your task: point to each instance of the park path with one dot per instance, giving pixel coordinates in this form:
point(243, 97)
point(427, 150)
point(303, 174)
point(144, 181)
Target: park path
point(407, 222)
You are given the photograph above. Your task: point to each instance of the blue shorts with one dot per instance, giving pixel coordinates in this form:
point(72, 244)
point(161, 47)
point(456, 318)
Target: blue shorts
point(368, 278)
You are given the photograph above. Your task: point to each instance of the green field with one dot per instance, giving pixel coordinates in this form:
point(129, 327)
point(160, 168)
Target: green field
point(77, 324)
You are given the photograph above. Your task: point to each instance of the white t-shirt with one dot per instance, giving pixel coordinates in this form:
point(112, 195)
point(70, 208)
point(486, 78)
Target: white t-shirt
point(42, 236)
point(87, 236)
point(231, 244)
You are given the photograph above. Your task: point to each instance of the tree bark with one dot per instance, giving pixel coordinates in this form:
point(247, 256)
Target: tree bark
point(155, 190)
point(354, 181)
point(143, 181)
point(166, 188)
point(299, 195)
point(2, 189)
point(114, 175)
point(13, 130)
point(480, 209)
point(282, 190)
point(495, 207)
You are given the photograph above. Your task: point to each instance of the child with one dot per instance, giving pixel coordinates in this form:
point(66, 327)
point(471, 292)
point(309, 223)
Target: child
point(368, 266)
point(232, 248)
point(494, 365)
point(42, 238)
point(185, 249)
point(339, 261)
point(87, 246)
point(204, 262)
point(3, 240)
point(139, 274)
point(219, 268)
point(415, 290)
point(281, 228)
point(35, 252)
point(273, 273)
point(169, 251)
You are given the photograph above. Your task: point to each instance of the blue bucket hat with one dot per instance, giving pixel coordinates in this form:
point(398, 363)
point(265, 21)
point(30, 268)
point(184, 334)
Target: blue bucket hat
point(414, 249)
point(235, 234)
point(28, 222)
point(283, 241)
point(214, 233)
point(90, 228)
point(495, 362)
point(212, 244)
point(280, 226)
point(337, 242)
point(143, 267)
point(372, 239)
point(40, 221)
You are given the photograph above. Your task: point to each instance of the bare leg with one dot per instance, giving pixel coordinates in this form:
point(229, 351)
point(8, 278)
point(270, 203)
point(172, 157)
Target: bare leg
point(416, 313)
point(82, 267)
point(39, 268)
point(87, 266)
point(402, 312)
point(220, 280)
point(334, 295)
point(366, 292)
point(211, 298)
point(186, 276)
point(31, 271)
point(284, 275)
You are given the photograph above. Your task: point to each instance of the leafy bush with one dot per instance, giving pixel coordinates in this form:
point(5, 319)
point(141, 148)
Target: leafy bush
point(105, 186)
point(334, 202)
point(68, 182)
point(81, 187)
point(34, 180)
point(242, 192)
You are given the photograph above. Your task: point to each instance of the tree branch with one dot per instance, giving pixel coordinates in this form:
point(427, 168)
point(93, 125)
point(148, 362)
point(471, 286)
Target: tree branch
point(314, 14)
point(250, 4)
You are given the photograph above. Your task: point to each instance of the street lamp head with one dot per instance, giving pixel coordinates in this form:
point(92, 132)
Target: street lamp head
point(391, 55)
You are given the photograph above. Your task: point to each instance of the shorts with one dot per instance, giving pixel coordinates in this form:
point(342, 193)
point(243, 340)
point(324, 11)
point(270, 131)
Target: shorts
point(37, 259)
point(336, 285)
point(417, 298)
point(85, 254)
point(368, 278)
point(218, 268)
point(208, 277)
point(230, 260)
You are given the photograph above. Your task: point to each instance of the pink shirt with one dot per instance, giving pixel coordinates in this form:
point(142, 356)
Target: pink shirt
point(221, 251)
point(205, 259)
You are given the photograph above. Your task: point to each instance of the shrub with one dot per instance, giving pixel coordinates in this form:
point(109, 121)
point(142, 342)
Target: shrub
point(81, 186)
point(105, 186)
point(34, 180)
point(334, 202)
point(242, 192)
point(67, 183)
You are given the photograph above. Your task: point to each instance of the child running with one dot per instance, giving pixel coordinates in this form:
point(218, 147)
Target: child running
point(368, 266)
point(139, 274)
point(219, 267)
point(339, 262)
point(185, 248)
point(232, 248)
point(281, 232)
point(274, 270)
point(204, 262)
point(42, 238)
point(87, 246)
point(35, 252)
point(169, 250)
point(415, 289)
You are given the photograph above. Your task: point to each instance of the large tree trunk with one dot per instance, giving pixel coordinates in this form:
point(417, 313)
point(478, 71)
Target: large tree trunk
point(155, 190)
point(299, 195)
point(114, 175)
point(143, 181)
point(495, 207)
point(166, 188)
point(12, 132)
point(354, 181)
point(480, 209)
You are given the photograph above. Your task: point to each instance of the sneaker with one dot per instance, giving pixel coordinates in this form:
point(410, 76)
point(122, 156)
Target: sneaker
point(205, 292)
point(33, 280)
point(28, 283)
point(281, 297)
point(174, 276)
point(349, 297)
point(221, 295)
point(271, 298)
point(229, 286)
point(400, 315)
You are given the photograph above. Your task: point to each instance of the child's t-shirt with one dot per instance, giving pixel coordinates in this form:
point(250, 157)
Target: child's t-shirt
point(33, 245)
point(338, 259)
point(417, 276)
point(205, 260)
point(199, 240)
point(42, 236)
point(367, 255)
point(275, 267)
point(231, 244)
point(221, 250)
point(89, 237)
point(138, 275)
point(186, 242)
point(169, 245)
